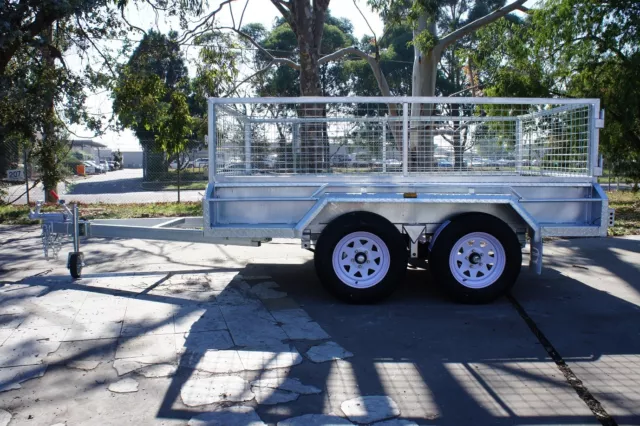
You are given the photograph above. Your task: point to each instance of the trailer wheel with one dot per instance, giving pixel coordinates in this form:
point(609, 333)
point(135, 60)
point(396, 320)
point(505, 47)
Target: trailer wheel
point(476, 258)
point(76, 262)
point(361, 257)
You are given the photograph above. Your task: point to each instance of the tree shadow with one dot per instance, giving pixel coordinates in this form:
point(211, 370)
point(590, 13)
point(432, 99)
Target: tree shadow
point(444, 363)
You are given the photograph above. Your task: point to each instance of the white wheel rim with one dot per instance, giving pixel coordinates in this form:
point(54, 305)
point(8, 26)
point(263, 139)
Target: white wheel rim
point(477, 260)
point(361, 259)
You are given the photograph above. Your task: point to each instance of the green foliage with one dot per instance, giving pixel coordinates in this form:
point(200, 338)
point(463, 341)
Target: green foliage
point(282, 41)
point(145, 84)
point(175, 128)
point(583, 49)
point(424, 41)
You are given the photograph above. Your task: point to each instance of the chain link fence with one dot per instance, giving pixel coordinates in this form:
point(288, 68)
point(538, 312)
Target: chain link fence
point(621, 174)
point(19, 175)
point(99, 176)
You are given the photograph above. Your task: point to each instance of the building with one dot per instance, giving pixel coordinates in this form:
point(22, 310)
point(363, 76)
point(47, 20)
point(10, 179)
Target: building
point(98, 151)
point(132, 159)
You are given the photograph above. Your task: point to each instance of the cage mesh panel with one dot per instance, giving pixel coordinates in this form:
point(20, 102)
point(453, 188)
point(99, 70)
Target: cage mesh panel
point(354, 138)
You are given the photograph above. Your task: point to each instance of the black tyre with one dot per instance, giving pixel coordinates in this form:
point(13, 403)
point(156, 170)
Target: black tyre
point(361, 257)
point(476, 258)
point(76, 262)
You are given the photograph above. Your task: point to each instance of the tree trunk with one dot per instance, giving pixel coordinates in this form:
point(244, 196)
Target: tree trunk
point(425, 71)
point(48, 160)
point(458, 141)
point(314, 143)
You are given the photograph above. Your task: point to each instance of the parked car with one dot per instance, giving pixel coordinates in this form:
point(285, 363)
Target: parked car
point(105, 165)
point(201, 163)
point(339, 160)
point(89, 168)
point(444, 164)
point(99, 168)
point(234, 168)
point(392, 165)
point(188, 165)
point(478, 162)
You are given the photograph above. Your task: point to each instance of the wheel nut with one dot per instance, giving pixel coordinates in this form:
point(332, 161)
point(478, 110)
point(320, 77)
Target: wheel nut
point(360, 266)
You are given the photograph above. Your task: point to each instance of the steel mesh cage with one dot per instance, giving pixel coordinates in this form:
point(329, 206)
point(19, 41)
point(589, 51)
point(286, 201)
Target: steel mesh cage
point(403, 136)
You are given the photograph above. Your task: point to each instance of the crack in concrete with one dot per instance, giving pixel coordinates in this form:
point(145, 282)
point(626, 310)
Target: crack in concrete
point(578, 386)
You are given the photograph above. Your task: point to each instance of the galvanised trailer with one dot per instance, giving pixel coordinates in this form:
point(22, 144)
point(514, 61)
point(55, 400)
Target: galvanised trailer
point(369, 184)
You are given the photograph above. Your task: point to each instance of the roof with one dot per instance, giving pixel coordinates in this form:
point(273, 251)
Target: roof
point(81, 143)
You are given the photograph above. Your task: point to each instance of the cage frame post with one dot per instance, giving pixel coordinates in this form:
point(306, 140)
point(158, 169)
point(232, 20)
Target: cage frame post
point(405, 139)
point(247, 146)
point(519, 146)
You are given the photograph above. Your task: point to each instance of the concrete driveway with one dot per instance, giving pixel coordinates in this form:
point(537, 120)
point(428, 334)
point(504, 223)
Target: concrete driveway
point(177, 333)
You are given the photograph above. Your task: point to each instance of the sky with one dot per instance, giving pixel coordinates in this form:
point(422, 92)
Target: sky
point(261, 11)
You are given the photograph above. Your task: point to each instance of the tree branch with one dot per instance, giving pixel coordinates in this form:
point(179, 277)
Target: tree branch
point(106, 61)
point(124, 18)
point(375, 38)
point(286, 12)
point(242, 16)
point(274, 59)
point(233, 19)
point(203, 21)
point(477, 24)
point(614, 49)
point(373, 63)
point(260, 71)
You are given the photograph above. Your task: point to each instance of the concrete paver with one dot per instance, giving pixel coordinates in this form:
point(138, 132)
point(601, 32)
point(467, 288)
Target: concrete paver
point(5, 417)
point(298, 325)
point(370, 409)
point(314, 420)
point(214, 361)
point(11, 377)
point(287, 384)
point(125, 385)
point(210, 390)
point(265, 396)
point(187, 321)
point(232, 416)
point(153, 348)
point(329, 351)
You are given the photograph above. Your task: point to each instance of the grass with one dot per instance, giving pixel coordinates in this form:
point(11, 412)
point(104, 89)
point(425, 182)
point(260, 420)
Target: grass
point(17, 215)
point(173, 186)
point(626, 203)
point(191, 179)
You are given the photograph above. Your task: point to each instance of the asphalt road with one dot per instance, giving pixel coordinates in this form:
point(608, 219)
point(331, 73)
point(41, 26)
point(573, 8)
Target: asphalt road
point(563, 350)
point(121, 186)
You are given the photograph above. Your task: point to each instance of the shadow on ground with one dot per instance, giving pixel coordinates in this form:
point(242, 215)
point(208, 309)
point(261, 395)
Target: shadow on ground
point(443, 363)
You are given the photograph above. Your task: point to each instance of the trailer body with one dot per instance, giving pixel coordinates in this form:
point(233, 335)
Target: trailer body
point(537, 165)
point(292, 167)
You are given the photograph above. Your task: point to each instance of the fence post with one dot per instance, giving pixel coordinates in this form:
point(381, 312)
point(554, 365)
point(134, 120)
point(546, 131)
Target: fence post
point(178, 164)
point(26, 174)
point(405, 139)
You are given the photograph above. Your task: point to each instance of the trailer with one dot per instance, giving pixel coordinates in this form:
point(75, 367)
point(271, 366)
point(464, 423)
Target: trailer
point(460, 183)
